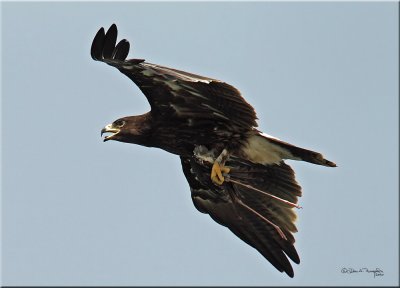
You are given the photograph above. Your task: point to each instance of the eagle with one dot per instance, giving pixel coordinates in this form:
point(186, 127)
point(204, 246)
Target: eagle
point(236, 173)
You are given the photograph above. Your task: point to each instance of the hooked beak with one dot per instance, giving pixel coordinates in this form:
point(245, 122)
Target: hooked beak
point(109, 129)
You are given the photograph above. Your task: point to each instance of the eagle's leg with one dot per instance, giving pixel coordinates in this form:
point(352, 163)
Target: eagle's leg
point(218, 168)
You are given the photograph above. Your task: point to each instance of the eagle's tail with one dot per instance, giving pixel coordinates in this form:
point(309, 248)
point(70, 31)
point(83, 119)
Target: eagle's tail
point(303, 154)
point(265, 149)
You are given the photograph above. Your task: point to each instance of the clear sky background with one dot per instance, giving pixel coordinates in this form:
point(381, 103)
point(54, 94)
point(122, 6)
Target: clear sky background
point(77, 211)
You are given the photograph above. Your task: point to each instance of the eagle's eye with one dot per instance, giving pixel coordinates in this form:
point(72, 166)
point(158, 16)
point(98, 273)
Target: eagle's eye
point(119, 123)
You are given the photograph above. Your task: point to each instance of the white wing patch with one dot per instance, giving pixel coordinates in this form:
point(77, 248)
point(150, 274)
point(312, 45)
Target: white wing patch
point(269, 136)
point(259, 150)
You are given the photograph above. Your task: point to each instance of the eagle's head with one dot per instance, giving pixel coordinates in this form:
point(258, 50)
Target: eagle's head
point(131, 129)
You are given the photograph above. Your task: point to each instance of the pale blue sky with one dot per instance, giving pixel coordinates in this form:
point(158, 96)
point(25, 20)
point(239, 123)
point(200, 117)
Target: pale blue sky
point(77, 211)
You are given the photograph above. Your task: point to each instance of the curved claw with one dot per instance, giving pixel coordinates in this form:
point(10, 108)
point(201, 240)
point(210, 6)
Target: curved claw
point(216, 173)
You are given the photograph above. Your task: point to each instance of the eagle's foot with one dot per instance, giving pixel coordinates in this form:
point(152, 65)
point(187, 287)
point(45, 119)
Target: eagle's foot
point(219, 168)
point(216, 173)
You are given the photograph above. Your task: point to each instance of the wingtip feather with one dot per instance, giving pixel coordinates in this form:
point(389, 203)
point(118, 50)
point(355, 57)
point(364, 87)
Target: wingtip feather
point(104, 46)
point(97, 45)
point(121, 50)
point(109, 41)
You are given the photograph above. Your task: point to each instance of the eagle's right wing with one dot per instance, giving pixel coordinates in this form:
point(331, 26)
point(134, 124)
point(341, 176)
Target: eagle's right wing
point(249, 214)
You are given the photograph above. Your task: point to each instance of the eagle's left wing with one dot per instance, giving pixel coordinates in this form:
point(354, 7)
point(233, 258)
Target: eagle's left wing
point(259, 220)
point(173, 93)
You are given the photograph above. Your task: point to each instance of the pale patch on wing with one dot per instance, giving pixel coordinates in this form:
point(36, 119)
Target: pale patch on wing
point(127, 65)
point(220, 115)
point(176, 73)
point(259, 150)
point(269, 136)
point(197, 94)
point(148, 72)
point(177, 109)
point(211, 108)
point(173, 85)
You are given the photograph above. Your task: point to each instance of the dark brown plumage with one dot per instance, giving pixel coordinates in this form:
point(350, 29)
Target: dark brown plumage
point(206, 121)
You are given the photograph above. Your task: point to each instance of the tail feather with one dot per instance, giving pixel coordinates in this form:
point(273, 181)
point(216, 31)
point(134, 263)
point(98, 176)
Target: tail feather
point(265, 149)
point(303, 154)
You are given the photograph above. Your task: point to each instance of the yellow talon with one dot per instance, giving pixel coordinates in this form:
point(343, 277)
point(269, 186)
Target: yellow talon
point(216, 173)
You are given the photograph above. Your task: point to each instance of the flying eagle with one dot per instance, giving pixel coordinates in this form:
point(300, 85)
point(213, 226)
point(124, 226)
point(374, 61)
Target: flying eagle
point(236, 174)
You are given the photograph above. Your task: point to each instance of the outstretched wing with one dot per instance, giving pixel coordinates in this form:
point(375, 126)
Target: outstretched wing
point(251, 215)
point(174, 93)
